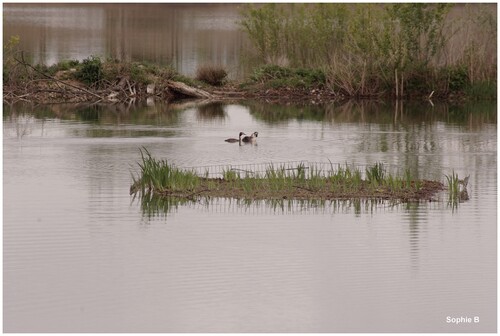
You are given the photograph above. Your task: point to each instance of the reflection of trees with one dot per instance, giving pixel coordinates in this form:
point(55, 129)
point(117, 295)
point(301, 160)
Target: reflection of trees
point(115, 114)
point(19, 125)
point(473, 114)
point(276, 113)
point(210, 111)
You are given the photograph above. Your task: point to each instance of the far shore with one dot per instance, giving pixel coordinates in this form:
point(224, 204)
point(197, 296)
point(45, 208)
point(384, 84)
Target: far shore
point(111, 82)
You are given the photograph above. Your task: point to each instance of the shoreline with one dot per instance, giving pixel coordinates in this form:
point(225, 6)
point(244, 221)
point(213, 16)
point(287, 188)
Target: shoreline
point(125, 82)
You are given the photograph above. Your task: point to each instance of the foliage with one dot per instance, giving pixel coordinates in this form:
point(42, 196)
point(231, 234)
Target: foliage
point(90, 71)
point(458, 78)
point(138, 72)
point(211, 74)
point(298, 34)
point(482, 90)
point(12, 71)
point(278, 76)
point(311, 182)
point(63, 65)
point(375, 174)
point(159, 175)
point(414, 33)
point(371, 49)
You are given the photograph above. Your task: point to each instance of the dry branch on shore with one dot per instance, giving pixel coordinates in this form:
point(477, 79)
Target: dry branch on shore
point(189, 91)
point(38, 86)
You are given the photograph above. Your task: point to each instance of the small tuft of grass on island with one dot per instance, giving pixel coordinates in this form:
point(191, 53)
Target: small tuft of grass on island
point(160, 178)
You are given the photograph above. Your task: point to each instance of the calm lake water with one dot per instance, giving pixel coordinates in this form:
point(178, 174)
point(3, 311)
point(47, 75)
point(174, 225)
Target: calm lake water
point(182, 35)
point(82, 255)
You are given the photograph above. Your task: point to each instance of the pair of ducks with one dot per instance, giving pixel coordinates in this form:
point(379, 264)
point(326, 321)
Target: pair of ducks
point(244, 138)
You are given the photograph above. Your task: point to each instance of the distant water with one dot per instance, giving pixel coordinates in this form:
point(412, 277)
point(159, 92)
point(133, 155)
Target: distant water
point(182, 35)
point(82, 255)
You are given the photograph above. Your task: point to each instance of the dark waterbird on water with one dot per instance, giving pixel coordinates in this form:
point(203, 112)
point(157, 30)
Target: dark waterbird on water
point(235, 140)
point(250, 138)
point(243, 137)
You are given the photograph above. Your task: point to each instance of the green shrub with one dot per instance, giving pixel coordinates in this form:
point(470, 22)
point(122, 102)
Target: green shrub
point(458, 79)
point(276, 76)
point(90, 71)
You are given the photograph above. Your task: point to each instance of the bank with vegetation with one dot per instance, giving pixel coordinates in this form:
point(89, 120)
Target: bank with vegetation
point(159, 178)
point(318, 52)
point(401, 50)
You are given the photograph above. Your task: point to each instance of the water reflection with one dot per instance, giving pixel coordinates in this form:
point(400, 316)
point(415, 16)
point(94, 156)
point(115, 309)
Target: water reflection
point(207, 264)
point(381, 112)
point(153, 206)
point(410, 136)
point(211, 111)
point(21, 125)
point(138, 113)
point(182, 35)
point(472, 115)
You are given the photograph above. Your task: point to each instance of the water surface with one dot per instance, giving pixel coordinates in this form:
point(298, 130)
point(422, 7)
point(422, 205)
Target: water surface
point(182, 35)
point(82, 255)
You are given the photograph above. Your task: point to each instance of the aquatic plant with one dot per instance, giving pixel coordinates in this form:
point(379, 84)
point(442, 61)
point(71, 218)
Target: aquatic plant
point(375, 174)
point(158, 176)
point(280, 182)
point(453, 185)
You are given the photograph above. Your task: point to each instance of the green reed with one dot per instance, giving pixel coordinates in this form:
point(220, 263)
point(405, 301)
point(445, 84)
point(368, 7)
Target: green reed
point(313, 181)
point(453, 186)
point(159, 175)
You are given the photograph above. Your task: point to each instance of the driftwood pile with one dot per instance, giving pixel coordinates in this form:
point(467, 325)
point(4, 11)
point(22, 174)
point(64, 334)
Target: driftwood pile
point(62, 88)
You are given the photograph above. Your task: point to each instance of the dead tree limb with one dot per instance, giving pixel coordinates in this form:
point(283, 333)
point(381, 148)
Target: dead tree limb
point(187, 90)
point(24, 63)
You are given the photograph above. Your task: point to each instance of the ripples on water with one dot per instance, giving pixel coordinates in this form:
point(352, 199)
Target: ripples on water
point(81, 255)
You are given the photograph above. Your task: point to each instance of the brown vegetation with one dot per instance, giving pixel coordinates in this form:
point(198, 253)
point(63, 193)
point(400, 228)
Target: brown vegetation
point(211, 74)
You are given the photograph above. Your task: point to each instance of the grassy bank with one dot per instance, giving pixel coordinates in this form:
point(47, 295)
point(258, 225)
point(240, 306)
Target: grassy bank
point(111, 81)
point(368, 50)
point(158, 177)
point(320, 52)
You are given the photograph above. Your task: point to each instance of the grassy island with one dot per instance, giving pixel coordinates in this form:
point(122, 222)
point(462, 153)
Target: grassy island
point(159, 178)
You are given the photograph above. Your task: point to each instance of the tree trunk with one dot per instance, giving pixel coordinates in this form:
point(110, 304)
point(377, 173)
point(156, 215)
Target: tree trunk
point(187, 90)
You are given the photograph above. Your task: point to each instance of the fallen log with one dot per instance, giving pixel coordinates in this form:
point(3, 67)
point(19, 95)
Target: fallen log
point(187, 90)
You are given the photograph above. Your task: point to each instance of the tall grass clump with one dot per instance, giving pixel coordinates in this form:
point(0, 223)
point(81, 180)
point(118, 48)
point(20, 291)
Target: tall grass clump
point(453, 185)
point(375, 174)
point(211, 74)
point(159, 176)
